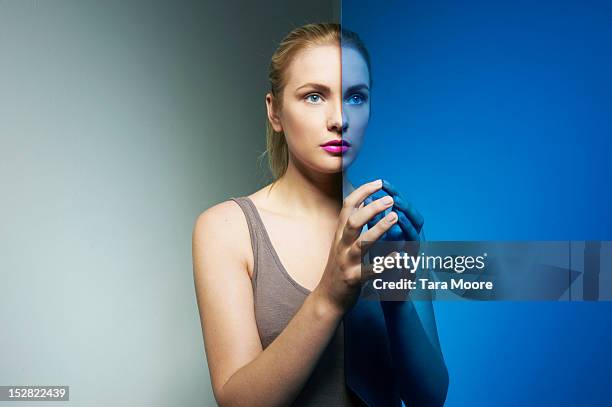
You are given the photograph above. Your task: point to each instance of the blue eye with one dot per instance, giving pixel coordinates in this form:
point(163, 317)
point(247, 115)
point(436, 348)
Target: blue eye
point(356, 99)
point(313, 98)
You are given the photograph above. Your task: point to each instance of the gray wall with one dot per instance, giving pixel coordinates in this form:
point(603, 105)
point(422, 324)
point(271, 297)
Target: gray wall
point(120, 122)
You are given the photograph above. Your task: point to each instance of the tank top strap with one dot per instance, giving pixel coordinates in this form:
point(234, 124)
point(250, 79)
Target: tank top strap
point(255, 231)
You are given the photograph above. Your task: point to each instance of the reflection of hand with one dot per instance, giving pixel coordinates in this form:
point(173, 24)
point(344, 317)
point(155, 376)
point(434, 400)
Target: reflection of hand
point(407, 229)
point(410, 221)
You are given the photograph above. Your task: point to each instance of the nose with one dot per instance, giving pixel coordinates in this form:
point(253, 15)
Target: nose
point(338, 121)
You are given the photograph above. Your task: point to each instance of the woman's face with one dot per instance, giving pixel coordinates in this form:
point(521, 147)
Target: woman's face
point(325, 107)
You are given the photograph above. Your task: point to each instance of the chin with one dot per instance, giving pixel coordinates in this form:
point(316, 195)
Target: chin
point(348, 159)
point(333, 169)
point(329, 166)
point(346, 162)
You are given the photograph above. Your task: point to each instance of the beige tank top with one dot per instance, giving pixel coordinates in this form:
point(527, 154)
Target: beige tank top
point(277, 298)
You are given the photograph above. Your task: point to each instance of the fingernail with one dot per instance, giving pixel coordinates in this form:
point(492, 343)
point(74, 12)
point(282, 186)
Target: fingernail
point(391, 217)
point(387, 200)
point(378, 182)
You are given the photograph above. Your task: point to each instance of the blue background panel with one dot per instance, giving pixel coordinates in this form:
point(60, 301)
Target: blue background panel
point(494, 119)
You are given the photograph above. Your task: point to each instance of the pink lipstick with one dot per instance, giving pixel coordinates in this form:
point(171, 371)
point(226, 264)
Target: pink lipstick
point(336, 146)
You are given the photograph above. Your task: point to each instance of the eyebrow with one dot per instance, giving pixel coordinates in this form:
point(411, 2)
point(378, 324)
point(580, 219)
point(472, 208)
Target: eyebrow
point(323, 88)
point(361, 86)
point(316, 86)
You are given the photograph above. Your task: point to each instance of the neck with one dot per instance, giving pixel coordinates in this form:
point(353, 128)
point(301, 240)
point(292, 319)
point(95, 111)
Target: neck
point(305, 193)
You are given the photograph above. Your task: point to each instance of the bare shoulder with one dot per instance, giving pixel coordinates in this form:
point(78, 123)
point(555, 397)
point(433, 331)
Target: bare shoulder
point(221, 270)
point(222, 230)
point(223, 219)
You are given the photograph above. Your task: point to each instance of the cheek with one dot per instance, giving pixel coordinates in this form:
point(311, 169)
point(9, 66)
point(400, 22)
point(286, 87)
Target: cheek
point(302, 122)
point(358, 120)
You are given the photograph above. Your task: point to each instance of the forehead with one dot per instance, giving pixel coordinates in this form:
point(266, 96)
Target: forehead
point(318, 64)
point(326, 65)
point(354, 67)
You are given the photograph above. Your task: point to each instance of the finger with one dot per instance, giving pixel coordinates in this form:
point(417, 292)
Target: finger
point(355, 198)
point(360, 194)
point(407, 227)
point(373, 221)
point(368, 201)
point(361, 216)
point(389, 188)
point(372, 235)
point(415, 217)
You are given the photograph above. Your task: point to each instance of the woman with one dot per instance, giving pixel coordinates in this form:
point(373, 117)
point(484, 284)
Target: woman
point(277, 271)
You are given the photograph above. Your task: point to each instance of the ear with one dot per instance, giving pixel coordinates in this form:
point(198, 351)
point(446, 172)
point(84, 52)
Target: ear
point(272, 113)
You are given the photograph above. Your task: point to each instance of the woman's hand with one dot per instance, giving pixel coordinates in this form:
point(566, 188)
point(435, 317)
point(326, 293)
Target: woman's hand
point(407, 229)
point(341, 281)
point(410, 220)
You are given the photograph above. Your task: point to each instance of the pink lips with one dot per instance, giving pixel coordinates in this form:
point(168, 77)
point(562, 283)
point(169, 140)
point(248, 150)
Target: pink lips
point(336, 146)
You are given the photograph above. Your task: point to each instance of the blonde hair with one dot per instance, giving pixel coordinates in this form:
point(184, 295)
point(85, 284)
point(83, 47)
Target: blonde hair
point(302, 37)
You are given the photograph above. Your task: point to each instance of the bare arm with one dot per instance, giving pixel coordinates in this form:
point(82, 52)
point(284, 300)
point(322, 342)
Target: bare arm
point(421, 372)
point(242, 373)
